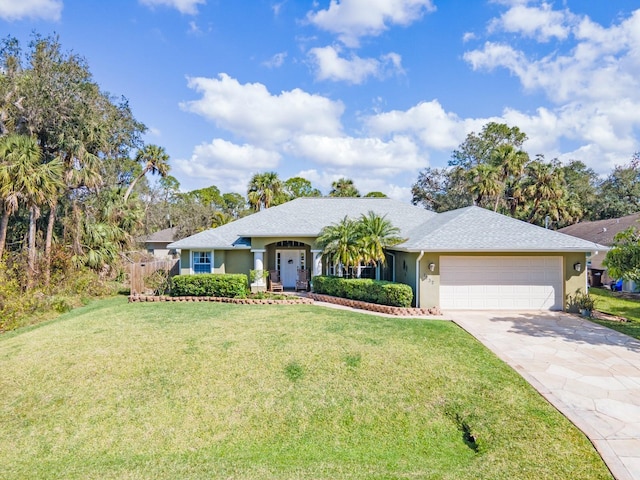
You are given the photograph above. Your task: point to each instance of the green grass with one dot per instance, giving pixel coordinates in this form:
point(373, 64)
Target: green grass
point(615, 304)
point(205, 390)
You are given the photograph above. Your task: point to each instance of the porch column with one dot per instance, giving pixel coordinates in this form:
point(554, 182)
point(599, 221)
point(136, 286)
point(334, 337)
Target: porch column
point(317, 262)
point(258, 265)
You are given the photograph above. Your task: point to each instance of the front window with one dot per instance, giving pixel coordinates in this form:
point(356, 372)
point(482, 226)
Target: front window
point(201, 262)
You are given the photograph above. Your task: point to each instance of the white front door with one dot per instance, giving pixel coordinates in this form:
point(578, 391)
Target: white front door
point(290, 262)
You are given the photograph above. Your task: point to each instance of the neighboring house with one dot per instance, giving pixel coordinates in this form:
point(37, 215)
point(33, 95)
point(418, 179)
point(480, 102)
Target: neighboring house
point(602, 232)
point(470, 258)
point(157, 243)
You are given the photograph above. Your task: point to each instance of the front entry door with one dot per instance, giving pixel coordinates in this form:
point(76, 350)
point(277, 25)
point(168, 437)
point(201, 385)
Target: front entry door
point(290, 262)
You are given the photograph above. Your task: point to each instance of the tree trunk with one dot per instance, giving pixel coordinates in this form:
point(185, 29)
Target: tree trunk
point(48, 242)
point(4, 223)
point(31, 252)
point(133, 184)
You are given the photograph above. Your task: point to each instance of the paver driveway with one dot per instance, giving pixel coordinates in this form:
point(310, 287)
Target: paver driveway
point(588, 372)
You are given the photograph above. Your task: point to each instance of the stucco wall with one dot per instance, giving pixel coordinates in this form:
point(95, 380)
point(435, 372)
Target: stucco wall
point(238, 261)
point(185, 262)
point(406, 270)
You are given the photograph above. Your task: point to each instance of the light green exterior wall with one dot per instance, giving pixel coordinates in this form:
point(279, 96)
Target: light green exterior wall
point(238, 261)
point(430, 281)
point(224, 261)
point(406, 270)
point(185, 262)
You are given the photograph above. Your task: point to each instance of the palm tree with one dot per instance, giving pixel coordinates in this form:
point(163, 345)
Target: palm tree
point(343, 187)
point(265, 190)
point(484, 182)
point(543, 183)
point(340, 243)
point(510, 164)
point(24, 178)
point(154, 159)
point(376, 234)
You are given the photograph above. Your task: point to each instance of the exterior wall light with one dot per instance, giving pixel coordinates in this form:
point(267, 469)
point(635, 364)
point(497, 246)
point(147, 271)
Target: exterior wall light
point(577, 266)
point(432, 266)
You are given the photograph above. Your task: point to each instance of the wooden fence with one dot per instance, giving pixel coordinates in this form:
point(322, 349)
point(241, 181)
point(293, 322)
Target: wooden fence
point(140, 271)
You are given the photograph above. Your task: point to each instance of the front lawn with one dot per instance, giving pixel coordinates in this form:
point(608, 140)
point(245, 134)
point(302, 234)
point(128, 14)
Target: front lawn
point(621, 304)
point(206, 390)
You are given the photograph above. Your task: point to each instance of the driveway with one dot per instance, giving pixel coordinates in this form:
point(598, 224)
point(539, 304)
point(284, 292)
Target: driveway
point(589, 373)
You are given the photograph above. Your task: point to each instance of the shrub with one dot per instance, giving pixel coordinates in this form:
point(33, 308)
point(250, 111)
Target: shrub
point(210, 285)
point(366, 290)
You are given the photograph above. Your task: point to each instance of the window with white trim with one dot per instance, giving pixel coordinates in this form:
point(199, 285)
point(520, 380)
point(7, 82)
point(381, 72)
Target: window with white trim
point(202, 262)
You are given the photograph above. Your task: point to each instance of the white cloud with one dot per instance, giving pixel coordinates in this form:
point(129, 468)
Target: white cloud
point(18, 9)
point(189, 7)
point(397, 155)
point(355, 70)
point(249, 110)
point(276, 61)
point(541, 23)
point(604, 63)
point(353, 19)
point(227, 165)
point(428, 121)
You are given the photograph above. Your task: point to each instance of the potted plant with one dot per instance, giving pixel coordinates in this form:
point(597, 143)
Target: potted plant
point(257, 280)
point(585, 303)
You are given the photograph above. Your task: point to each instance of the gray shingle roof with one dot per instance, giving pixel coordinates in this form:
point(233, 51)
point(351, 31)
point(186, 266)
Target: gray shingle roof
point(465, 229)
point(305, 217)
point(602, 231)
point(478, 229)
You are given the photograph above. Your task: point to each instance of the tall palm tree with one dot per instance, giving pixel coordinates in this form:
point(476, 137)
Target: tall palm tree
point(343, 187)
point(510, 164)
point(265, 190)
point(376, 234)
point(25, 179)
point(340, 243)
point(484, 182)
point(154, 159)
point(543, 183)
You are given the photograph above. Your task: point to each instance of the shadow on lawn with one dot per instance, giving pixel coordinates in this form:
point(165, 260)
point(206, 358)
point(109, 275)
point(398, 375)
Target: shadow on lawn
point(570, 328)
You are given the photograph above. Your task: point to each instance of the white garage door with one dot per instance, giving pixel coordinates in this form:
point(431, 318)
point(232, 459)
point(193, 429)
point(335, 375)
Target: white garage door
point(501, 283)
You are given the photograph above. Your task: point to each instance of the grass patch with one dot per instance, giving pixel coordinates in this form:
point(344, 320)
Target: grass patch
point(616, 303)
point(205, 390)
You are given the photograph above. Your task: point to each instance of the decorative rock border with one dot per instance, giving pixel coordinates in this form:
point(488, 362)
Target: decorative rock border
point(243, 301)
point(374, 307)
point(295, 300)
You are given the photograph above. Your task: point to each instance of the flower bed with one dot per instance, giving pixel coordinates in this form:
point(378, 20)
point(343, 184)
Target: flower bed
point(374, 307)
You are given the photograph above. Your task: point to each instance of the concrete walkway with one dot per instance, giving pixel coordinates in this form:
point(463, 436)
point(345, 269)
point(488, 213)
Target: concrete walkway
point(589, 373)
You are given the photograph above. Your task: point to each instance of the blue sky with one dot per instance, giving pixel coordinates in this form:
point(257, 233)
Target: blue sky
point(374, 90)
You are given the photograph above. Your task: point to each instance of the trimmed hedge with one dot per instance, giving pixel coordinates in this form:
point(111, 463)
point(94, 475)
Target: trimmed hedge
point(365, 289)
point(210, 285)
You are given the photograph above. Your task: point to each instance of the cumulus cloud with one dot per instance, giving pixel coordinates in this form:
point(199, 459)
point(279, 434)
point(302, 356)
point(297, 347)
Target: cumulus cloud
point(189, 7)
point(252, 112)
point(602, 63)
point(542, 23)
point(354, 19)
point(227, 165)
point(397, 155)
point(329, 65)
point(43, 9)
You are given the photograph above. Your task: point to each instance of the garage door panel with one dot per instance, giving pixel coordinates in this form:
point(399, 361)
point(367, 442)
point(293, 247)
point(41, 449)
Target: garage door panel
point(501, 283)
